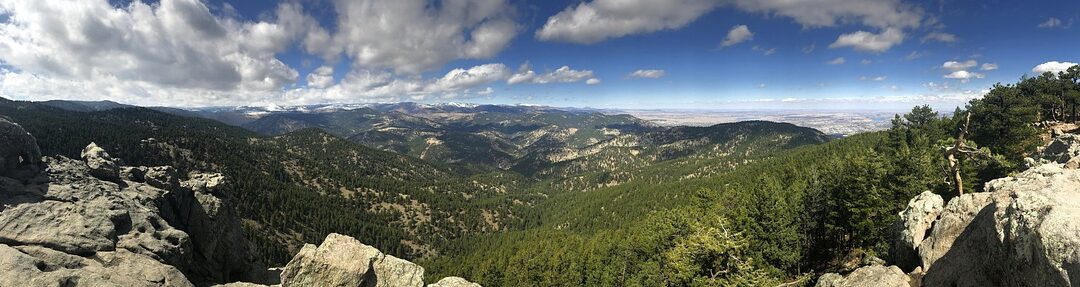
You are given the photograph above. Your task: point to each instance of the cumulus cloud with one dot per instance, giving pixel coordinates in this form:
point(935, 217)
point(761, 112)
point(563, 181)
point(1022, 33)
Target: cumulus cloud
point(593, 81)
point(869, 42)
point(461, 79)
point(647, 74)
point(837, 61)
point(591, 22)
point(321, 77)
point(737, 34)
point(957, 65)
point(1050, 23)
point(178, 52)
point(598, 20)
point(563, 74)
point(964, 76)
point(827, 13)
point(176, 43)
point(1053, 67)
point(940, 37)
point(412, 36)
point(989, 66)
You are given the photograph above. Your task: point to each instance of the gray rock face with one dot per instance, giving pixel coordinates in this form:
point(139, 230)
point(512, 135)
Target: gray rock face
point(101, 164)
point(343, 261)
point(910, 230)
point(953, 221)
point(1063, 148)
point(1026, 234)
point(20, 157)
point(453, 282)
point(39, 266)
point(88, 226)
point(873, 275)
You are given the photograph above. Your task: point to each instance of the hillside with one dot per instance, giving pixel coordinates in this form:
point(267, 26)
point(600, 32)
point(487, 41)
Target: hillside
point(301, 185)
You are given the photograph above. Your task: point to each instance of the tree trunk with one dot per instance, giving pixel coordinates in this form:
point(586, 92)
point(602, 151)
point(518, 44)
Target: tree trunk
point(950, 156)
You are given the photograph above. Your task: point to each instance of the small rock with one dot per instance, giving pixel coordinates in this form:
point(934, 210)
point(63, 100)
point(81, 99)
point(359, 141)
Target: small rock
point(204, 182)
point(874, 275)
point(100, 163)
point(453, 282)
point(1073, 163)
point(163, 177)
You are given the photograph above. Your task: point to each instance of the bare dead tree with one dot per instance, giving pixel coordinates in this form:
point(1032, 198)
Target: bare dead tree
point(959, 148)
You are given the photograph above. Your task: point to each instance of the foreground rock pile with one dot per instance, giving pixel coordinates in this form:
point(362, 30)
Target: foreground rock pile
point(1023, 231)
point(95, 222)
point(87, 223)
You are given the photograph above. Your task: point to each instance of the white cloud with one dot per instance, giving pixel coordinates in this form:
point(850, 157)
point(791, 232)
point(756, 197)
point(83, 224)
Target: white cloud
point(648, 74)
point(957, 66)
point(175, 43)
point(737, 34)
point(462, 79)
point(598, 20)
point(761, 86)
point(563, 74)
point(412, 36)
point(764, 51)
point(1050, 23)
point(486, 92)
point(1053, 67)
point(866, 62)
point(940, 37)
point(591, 22)
point(869, 42)
point(321, 77)
point(878, 78)
point(593, 81)
point(964, 76)
point(989, 66)
point(837, 61)
point(827, 13)
point(913, 55)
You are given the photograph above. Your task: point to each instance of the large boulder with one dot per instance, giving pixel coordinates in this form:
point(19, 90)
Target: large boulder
point(910, 230)
point(20, 157)
point(344, 261)
point(1028, 234)
point(873, 275)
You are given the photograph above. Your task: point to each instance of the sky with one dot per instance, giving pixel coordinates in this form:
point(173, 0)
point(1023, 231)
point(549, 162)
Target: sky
point(634, 54)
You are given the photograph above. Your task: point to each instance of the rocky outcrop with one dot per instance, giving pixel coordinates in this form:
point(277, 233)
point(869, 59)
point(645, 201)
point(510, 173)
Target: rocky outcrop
point(88, 225)
point(1023, 231)
point(1026, 235)
point(453, 282)
point(20, 157)
point(911, 229)
point(343, 261)
point(1063, 148)
point(873, 275)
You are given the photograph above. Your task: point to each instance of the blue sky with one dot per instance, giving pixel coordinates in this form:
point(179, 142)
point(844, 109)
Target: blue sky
point(778, 54)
